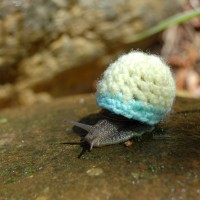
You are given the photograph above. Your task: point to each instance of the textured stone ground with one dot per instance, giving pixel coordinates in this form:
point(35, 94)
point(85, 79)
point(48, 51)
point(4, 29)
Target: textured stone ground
point(39, 156)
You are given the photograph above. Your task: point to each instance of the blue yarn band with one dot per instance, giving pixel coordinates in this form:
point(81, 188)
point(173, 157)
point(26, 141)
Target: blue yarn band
point(132, 109)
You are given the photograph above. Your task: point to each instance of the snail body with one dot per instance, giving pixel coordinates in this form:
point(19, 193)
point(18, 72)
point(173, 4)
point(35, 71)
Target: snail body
point(137, 86)
point(106, 132)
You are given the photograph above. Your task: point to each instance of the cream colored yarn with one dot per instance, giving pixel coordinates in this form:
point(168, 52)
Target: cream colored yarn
point(138, 78)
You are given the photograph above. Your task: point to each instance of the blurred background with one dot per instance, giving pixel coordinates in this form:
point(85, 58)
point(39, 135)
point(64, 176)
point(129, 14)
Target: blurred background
point(54, 48)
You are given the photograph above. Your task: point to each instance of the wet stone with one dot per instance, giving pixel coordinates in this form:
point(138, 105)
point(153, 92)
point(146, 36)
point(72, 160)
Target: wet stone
point(41, 157)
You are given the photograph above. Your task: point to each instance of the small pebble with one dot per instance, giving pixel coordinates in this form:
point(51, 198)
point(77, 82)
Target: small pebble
point(81, 101)
point(3, 120)
point(94, 171)
point(128, 143)
point(41, 198)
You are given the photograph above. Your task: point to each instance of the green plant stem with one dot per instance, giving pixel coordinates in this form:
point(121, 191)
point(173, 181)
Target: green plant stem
point(177, 19)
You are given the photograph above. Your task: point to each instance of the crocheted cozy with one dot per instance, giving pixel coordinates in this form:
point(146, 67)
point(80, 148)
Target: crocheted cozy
point(138, 86)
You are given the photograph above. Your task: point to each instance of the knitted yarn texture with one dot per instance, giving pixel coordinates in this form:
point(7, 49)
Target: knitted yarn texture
point(138, 86)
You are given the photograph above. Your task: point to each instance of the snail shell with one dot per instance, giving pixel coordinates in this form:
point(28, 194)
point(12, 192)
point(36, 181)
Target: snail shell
point(138, 86)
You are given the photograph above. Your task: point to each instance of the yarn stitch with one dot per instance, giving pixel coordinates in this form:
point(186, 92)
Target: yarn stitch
point(138, 86)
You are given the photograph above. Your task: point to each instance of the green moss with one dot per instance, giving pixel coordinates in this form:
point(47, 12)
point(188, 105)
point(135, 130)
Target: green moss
point(29, 171)
point(145, 175)
point(10, 180)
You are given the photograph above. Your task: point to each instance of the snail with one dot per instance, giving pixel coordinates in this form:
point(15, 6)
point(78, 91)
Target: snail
point(137, 86)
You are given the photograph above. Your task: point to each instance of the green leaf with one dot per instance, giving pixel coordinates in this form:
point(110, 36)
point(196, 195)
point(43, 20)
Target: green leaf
point(176, 19)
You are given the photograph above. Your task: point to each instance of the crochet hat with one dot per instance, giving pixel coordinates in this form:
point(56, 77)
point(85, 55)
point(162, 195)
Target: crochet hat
point(138, 86)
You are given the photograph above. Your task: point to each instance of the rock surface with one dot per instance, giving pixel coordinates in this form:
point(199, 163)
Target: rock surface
point(38, 156)
point(46, 45)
